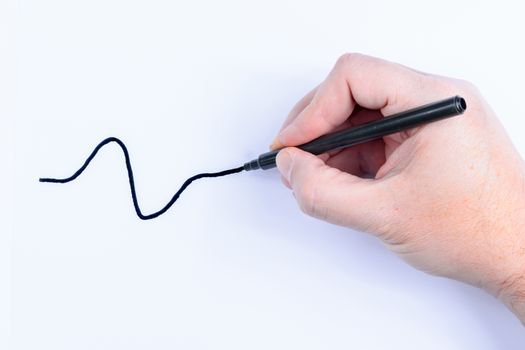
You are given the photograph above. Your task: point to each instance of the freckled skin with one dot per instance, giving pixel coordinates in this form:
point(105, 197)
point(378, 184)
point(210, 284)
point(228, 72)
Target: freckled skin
point(448, 197)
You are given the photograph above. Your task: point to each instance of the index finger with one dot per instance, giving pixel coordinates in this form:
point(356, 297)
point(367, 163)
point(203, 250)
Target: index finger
point(357, 80)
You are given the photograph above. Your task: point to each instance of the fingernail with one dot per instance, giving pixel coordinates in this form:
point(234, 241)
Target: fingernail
point(284, 163)
point(276, 144)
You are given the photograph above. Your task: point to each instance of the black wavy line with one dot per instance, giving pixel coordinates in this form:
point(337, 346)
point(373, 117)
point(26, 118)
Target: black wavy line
point(132, 181)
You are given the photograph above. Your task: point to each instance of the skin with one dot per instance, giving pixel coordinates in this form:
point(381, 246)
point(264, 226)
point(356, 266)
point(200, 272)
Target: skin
point(447, 197)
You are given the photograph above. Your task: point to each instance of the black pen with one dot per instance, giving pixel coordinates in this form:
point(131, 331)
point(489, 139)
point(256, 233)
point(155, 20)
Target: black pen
point(388, 125)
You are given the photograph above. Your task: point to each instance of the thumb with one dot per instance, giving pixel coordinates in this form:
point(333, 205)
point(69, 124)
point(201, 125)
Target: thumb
point(335, 196)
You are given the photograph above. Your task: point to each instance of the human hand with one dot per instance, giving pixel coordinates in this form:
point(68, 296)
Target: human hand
point(448, 197)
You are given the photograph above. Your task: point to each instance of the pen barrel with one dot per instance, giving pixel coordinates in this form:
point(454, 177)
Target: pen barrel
point(389, 125)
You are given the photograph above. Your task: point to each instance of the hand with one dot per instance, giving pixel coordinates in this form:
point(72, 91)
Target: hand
point(448, 197)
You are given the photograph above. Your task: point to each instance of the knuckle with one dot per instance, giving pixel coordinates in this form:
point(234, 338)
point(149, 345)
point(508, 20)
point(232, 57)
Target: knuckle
point(467, 86)
point(455, 86)
point(475, 116)
point(438, 83)
point(349, 58)
point(344, 57)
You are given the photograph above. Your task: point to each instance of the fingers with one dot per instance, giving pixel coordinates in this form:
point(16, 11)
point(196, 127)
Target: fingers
point(356, 80)
point(330, 194)
point(298, 108)
point(361, 160)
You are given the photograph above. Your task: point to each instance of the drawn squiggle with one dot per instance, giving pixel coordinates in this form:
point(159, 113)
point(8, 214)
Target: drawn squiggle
point(132, 181)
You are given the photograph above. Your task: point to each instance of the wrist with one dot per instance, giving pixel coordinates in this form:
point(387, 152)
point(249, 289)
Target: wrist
point(512, 294)
point(512, 288)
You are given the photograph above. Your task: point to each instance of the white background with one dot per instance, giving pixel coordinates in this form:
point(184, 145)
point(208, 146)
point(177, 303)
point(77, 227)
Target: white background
point(202, 86)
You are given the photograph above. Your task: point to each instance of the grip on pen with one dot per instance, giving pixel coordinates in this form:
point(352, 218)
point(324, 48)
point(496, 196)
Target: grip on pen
point(389, 125)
